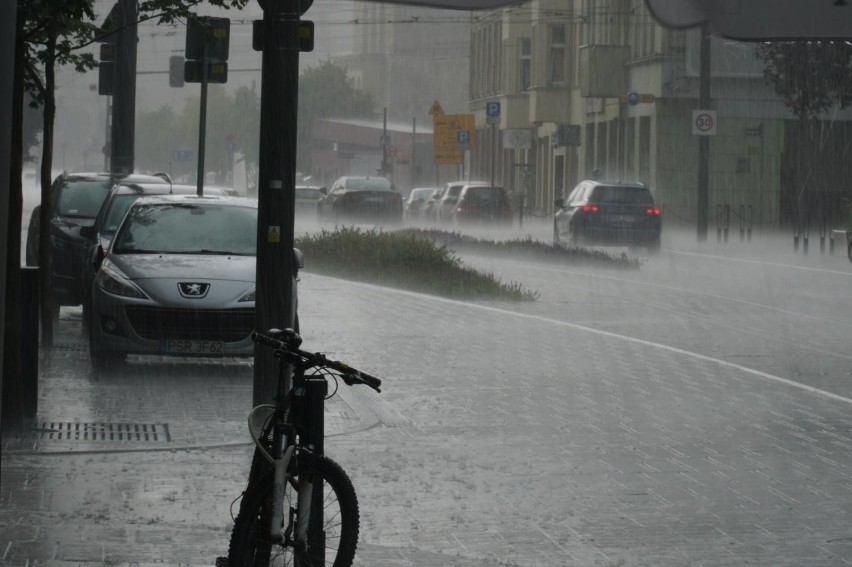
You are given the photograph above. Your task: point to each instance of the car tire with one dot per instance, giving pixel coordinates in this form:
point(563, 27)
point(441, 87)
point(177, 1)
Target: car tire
point(654, 246)
point(102, 359)
point(576, 236)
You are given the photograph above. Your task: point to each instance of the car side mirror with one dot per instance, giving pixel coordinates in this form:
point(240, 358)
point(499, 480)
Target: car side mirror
point(324, 190)
point(88, 232)
point(98, 257)
point(559, 203)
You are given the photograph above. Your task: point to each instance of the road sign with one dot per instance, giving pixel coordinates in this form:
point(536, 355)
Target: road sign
point(445, 143)
point(384, 140)
point(436, 109)
point(704, 122)
point(492, 112)
point(463, 139)
point(632, 98)
point(183, 155)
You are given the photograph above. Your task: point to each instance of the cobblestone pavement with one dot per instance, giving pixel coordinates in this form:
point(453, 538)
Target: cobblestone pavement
point(482, 449)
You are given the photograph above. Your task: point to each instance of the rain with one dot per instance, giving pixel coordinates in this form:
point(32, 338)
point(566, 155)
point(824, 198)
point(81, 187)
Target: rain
point(622, 339)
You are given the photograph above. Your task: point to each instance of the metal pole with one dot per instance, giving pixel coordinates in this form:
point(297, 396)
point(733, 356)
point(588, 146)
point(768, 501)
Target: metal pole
point(202, 123)
point(385, 142)
point(414, 152)
point(493, 151)
point(124, 99)
point(276, 189)
point(703, 141)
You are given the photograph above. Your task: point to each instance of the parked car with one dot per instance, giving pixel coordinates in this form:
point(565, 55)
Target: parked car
point(609, 213)
point(415, 204)
point(112, 212)
point(368, 199)
point(75, 201)
point(482, 204)
point(178, 279)
point(307, 198)
point(443, 209)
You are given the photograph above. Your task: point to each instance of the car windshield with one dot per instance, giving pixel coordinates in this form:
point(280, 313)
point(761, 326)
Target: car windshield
point(368, 184)
point(483, 194)
point(118, 206)
point(82, 199)
point(183, 228)
point(621, 195)
point(421, 194)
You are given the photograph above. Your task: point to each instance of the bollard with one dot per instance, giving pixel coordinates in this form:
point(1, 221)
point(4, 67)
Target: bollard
point(742, 223)
point(805, 245)
point(795, 242)
point(718, 223)
point(750, 222)
point(727, 221)
point(831, 245)
point(29, 340)
point(822, 244)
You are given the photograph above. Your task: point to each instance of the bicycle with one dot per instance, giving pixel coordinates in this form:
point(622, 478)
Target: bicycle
point(299, 507)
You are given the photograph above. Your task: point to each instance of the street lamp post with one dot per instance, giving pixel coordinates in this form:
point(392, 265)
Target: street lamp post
point(274, 299)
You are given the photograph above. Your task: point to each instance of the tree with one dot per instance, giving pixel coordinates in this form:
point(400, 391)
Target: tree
point(232, 119)
point(812, 77)
point(51, 33)
point(325, 91)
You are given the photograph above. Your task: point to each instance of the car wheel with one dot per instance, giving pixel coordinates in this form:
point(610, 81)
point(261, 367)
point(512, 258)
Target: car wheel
point(654, 246)
point(101, 358)
point(576, 236)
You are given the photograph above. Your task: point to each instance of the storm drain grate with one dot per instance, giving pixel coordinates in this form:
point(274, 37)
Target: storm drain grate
point(127, 432)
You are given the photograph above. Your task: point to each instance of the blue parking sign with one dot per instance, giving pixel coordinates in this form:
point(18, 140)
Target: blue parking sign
point(463, 138)
point(492, 109)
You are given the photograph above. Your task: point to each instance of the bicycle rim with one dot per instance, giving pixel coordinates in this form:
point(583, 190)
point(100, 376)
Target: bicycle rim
point(331, 538)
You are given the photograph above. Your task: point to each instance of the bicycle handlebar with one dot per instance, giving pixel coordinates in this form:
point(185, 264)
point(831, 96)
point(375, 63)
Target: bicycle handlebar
point(290, 344)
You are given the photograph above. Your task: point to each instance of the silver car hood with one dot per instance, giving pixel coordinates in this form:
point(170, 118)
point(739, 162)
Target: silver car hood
point(227, 278)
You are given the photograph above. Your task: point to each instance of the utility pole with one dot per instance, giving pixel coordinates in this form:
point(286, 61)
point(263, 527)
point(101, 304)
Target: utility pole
point(703, 141)
point(278, 37)
point(122, 139)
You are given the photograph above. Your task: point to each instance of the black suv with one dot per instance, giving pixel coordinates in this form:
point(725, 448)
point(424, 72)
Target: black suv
point(75, 199)
point(616, 213)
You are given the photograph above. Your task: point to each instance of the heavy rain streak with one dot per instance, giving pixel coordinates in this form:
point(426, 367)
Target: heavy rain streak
point(591, 258)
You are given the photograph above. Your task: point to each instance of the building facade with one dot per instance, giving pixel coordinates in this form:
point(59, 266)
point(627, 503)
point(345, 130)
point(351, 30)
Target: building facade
point(597, 88)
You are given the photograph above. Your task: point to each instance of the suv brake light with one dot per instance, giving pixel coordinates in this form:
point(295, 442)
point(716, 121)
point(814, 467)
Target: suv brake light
point(653, 211)
point(590, 209)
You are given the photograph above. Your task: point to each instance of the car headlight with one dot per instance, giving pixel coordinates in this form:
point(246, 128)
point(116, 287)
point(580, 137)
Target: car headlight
point(112, 281)
point(250, 296)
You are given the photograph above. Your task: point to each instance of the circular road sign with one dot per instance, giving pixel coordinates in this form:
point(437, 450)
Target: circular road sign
point(632, 98)
point(704, 122)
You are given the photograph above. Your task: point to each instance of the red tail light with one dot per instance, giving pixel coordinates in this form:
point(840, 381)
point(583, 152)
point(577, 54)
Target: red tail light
point(590, 209)
point(653, 211)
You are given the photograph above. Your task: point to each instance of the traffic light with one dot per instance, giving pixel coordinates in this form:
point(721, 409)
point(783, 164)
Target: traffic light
point(106, 69)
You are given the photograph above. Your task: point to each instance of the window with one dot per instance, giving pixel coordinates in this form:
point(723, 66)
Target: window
point(557, 55)
point(526, 64)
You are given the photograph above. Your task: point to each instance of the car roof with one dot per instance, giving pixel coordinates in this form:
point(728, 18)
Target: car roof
point(195, 199)
point(128, 188)
point(619, 183)
point(123, 178)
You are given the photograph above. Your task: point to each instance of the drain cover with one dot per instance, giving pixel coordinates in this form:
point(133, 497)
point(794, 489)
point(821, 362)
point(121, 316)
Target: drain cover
point(107, 432)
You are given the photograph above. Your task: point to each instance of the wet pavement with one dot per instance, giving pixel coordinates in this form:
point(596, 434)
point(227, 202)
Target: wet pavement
point(482, 450)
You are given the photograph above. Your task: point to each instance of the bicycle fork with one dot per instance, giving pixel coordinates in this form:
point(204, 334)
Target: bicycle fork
point(284, 453)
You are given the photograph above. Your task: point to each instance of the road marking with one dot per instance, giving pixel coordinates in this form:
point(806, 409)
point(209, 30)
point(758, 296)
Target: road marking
point(609, 334)
point(568, 272)
point(759, 262)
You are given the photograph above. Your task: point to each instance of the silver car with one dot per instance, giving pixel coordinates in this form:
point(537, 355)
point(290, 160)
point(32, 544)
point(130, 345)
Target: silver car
point(178, 279)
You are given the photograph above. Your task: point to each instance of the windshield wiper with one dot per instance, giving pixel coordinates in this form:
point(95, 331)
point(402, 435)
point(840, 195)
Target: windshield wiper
point(211, 252)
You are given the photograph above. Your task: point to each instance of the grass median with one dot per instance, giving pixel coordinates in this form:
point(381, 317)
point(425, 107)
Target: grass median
point(422, 261)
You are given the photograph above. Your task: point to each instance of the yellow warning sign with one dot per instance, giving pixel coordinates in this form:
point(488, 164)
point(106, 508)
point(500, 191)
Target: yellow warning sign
point(435, 109)
point(273, 236)
point(446, 128)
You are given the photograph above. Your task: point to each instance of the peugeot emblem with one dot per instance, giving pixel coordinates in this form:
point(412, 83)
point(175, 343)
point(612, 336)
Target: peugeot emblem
point(193, 290)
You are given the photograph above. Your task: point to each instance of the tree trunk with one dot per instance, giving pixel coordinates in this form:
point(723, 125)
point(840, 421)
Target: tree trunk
point(45, 261)
point(12, 411)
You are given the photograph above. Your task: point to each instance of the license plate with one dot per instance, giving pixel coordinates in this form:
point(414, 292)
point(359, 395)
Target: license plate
point(193, 347)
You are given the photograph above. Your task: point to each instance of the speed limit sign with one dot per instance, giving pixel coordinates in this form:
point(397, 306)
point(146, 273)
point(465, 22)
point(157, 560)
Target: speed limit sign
point(704, 122)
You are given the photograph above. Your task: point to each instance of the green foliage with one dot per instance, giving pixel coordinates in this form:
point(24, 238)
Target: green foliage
point(526, 248)
point(325, 91)
point(230, 118)
point(811, 76)
point(403, 260)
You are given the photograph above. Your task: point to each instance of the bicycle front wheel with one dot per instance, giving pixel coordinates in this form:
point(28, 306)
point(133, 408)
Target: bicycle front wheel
point(332, 533)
